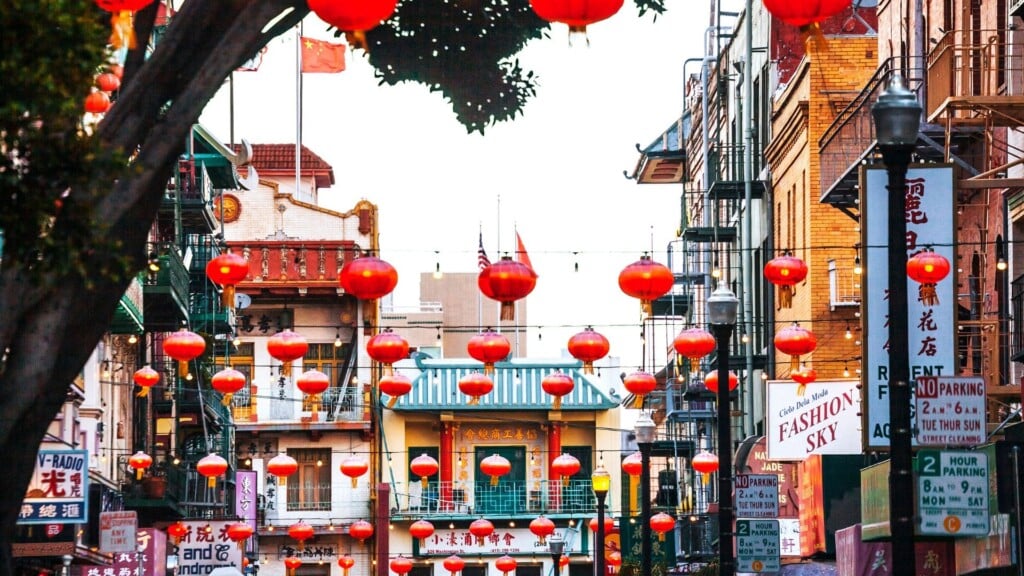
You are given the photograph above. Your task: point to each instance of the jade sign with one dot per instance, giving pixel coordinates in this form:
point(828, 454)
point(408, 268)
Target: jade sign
point(952, 491)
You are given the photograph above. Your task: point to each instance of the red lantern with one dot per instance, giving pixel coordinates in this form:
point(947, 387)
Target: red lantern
point(177, 531)
point(481, 528)
point(146, 378)
point(647, 280)
point(286, 347)
point(282, 466)
point(353, 18)
point(354, 466)
point(507, 281)
point(804, 12)
point(122, 33)
point(542, 527)
point(313, 383)
point(454, 564)
point(139, 462)
point(228, 270)
point(291, 563)
point(640, 384)
point(395, 385)
point(475, 385)
point(505, 564)
point(576, 14)
point(785, 271)
point(694, 343)
point(495, 466)
point(360, 530)
point(614, 559)
point(609, 525)
point(711, 381)
point(366, 278)
point(705, 462)
point(212, 466)
point(227, 382)
point(423, 466)
point(108, 82)
point(346, 562)
point(239, 532)
point(795, 341)
point(387, 348)
point(633, 464)
point(184, 346)
point(803, 377)
point(421, 529)
point(489, 347)
point(97, 102)
point(927, 268)
point(588, 347)
point(662, 523)
point(564, 466)
point(557, 384)
point(563, 561)
point(401, 565)
point(300, 532)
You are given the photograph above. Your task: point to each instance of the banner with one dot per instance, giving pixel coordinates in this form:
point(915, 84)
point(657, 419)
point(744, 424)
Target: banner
point(58, 490)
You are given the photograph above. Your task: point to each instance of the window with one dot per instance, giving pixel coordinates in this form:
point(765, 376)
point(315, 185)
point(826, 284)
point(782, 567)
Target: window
point(241, 402)
point(310, 487)
point(331, 360)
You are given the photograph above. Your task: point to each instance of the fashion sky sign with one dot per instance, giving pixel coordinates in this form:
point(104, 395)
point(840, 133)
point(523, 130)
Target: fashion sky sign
point(824, 420)
point(931, 328)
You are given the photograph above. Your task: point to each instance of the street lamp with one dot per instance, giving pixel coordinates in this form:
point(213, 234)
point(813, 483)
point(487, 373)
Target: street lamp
point(897, 116)
point(557, 546)
point(722, 307)
point(601, 482)
point(644, 430)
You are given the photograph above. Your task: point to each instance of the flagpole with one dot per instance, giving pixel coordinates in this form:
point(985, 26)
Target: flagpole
point(515, 228)
point(298, 111)
point(498, 304)
point(479, 295)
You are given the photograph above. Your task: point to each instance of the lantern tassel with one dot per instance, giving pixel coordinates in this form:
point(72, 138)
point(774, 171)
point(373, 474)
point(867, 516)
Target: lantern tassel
point(694, 364)
point(138, 473)
point(588, 367)
point(122, 32)
point(489, 368)
point(356, 40)
point(926, 295)
point(143, 392)
point(286, 369)
point(645, 307)
point(424, 482)
point(494, 482)
point(661, 536)
point(355, 483)
point(704, 477)
point(814, 39)
point(785, 296)
point(557, 403)
point(389, 370)
point(638, 401)
point(392, 401)
point(508, 310)
point(794, 363)
point(315, 400)
point(228, 297)
point(211, 482)
point(800, 389)
point(475, 400)
point(183, 369)
point(542, 540)
point(226, 400)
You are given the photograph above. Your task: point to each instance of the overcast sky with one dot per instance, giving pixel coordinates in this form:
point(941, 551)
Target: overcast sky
point(558, 169)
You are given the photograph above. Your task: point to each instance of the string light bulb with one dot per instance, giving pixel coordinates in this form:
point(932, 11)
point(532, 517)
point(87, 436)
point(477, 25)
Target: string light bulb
point(236, 340)
point(846, 370)
point(857, 268)
point(716, 272)
point(337, 338)
point(437, 266)
point(849, 333)
point(133, 339)
point(1001, 264)
point(744, 337)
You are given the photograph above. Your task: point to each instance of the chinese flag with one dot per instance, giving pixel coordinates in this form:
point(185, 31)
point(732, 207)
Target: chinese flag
point(322, 56)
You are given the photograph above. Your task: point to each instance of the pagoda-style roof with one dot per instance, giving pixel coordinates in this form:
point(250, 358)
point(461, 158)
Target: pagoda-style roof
point(517, 386)
point(279, 160)
point(664, 160)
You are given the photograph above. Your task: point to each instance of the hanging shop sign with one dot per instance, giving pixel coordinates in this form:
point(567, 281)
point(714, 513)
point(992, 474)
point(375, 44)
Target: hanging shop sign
point(509, 541)
point(950, 411)
point(931, 325)
point(58, 490)
point(205, 546)
point(825, 419)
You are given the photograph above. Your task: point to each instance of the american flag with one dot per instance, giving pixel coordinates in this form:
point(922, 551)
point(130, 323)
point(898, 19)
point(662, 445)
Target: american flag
point(481, 256)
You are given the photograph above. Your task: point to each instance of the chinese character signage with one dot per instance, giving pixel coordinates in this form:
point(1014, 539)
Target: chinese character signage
point(58, 490)
point(931, 326)
point(152, 561)
point(206, 546)
point(509, 541)
point(245, 500)
point(117, 531)
point(825, 419)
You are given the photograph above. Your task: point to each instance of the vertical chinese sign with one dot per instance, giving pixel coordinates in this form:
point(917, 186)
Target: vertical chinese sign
point(245, 501)
point(59, 488)
point(931, 330)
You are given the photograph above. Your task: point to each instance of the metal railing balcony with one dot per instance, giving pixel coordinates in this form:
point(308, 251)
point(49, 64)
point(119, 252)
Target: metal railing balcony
point(507, 498)
point(966, 68)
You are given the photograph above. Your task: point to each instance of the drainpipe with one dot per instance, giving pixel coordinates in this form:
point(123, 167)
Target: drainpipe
point(746, 292)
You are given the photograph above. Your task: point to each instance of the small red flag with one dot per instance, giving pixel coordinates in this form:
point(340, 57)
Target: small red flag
point(322, 56)
point(521, 256)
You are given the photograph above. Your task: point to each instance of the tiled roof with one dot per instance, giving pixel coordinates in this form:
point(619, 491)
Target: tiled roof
point(280, 158)
point(517, 386)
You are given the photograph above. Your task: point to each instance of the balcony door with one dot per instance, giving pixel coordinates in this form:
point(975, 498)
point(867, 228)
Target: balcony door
point(508, 496)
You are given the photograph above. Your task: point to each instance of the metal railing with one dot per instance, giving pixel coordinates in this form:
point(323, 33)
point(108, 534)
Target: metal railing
point(1017, 311)
point(504, 498)
point(970, 63)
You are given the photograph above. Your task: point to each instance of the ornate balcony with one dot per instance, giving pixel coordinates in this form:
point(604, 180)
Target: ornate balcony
point(548, 497)
point(288, 267)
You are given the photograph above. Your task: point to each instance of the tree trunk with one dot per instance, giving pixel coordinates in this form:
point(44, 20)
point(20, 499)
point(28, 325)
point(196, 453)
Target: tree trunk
point(50, 325)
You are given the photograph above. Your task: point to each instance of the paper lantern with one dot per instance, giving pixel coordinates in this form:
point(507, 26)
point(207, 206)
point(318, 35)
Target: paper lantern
point(239, 532)
point(282, 466)
point(423, 466)
point(108, 82)
point(291, 563)
point(506, 564)
point(401, 565)
point(122, 33)
point(804, 12)
point(785, 271)
point(228, 270)
point(346, 563)
point(395, 386)
point(609, 525)
point(227, 382)
point(212, 466)
point(706, 463)
point(360, 530)
point(557, 384)
point(184, 346)
point(368, 277)
point(495, 466)
point(145, 378)
point(177, 531)
point(694, 343)
point(354, 466)
point(646, 280)
point(564, 466)
point(795, 341)
point(803, 377)
point(313, 383)
point(475, 385)
point(139, 462)
point(481, 528)
point(577, 15)
point(300, 532)
point(633, 464)
point(640, 384)
point(542, 527)
point(353, 17)
point(454, 564)
point(711, 381)
point(387, 348)
point(588, 347)
point(662, 523)
point(489, 347)
point(421, 529)
point(614, 559)
point(927, 268)
point(507, 281)
point(286, 347)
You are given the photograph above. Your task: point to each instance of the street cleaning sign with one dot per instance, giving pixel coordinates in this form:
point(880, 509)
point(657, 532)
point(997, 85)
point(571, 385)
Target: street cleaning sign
point(952, 490)
point(950, 411)
point(757, 546)
point(757, 496)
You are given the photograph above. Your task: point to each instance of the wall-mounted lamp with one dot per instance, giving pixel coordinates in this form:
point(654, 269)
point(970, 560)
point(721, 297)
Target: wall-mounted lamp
point(153, 263)
point(133, 339)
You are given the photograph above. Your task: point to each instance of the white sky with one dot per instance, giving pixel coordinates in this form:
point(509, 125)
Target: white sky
point(557, 169)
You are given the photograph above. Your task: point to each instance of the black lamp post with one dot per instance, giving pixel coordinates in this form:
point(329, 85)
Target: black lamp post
point(897, 116)
point(557, 546)
point(645, 430)
point(600, 481)
point(722, 308)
